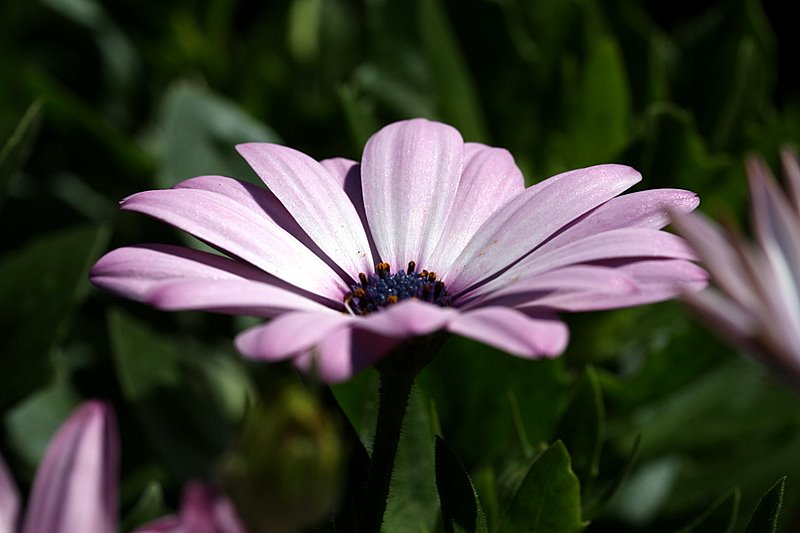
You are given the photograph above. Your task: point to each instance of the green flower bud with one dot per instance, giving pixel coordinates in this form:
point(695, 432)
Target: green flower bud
point(284, 473)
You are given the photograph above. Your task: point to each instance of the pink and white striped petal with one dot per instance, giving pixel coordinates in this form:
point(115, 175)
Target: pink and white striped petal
point(410, 174)
point(490, 179)
point(221, 222)
point(530, 218)
point(643, 209)
point(316, 201)
point(512, 331)
point(290, 334)
point(75, 488)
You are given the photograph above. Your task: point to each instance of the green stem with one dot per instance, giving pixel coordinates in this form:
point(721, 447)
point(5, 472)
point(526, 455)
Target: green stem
point(397, 375)
point(394, 392)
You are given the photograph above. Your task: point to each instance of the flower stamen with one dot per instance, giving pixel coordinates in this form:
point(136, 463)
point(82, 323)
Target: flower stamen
point(383, 288)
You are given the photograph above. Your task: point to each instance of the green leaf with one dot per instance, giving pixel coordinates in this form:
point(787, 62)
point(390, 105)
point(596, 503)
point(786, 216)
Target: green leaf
point(581, 427)
point(461, 509)
point(17, 148)
point(720, 516)
point(549, 498)
point(32, 423)
point(602, 497)
point(599, 111)
point(40, 286)
point(455, 93)
point(200, 130)
point(765, 517)
point(149, 507)
point(179, 410)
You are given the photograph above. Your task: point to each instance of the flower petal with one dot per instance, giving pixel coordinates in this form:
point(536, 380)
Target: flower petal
point(222, 222)
point(791, 170)
point(512, 331)
point(75, 488)
point(177, 278)
point(490, 179)
point(614, 244)
point(408, 318)
point(9, 500)
point(643, 209)
point(315, 200)
point(262, 203)
point(203, 510)
point(654, 281)
point(533, 216)
point(410, 173)
point(289, 334)
point(344, 353)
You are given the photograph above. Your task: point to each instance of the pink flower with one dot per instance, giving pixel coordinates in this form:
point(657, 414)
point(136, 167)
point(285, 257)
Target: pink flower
point(75, 488)
point(204, 510)
point(755, 302)
point(426, 234)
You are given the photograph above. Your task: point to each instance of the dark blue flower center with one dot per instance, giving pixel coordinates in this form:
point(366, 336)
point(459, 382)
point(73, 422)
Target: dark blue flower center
point(383, 288)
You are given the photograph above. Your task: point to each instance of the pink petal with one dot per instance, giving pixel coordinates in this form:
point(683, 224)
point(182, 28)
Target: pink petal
point(234, 297)
point(614, 244)
point(289, 334)
point(490, 179)
point(9, 500)
point(791, 170)
point(344, 353)
point(262, 203)
point(719, 256)
point(654, 281)
point(222, 222)
point(347, 174)
point(533, 216)
point(75, 488)
point(203, 510)
point(570, 280)
point(410, 173)
point(644, 209)
point(177, 278)
point(316, 201)
point(408, 318)
point(512, 331)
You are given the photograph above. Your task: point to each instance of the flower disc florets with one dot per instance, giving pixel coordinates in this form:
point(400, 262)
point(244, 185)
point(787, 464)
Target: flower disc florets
point(384, 288)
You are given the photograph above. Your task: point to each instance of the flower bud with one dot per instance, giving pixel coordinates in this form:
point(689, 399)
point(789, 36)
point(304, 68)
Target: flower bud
point(284, 472)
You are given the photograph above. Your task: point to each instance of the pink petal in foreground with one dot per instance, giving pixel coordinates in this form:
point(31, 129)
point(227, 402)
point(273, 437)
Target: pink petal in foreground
point(533, 216)
point(75, 488)
point(344, 353)
point(490, 179)
point(410, 172)
point(9, 500)
point(512, 331)
point(315, 200)
point(289, 334)
point(203, 510)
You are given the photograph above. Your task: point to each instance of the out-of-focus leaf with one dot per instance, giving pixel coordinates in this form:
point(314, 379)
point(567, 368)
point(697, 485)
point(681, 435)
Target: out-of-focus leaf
point(40, 285)
point(549, 498)
point(765, 517)
point(32, 423)
point(581, 428)
point(183, 418)
point(461, 509)
point(456, 97)
point(647, 491)
point(305, 17)
point(599, 500)
point(149, 507)
point(200, 130)
point(360, 116)
point(599, 110)
point(720, 516)
point(17, 148)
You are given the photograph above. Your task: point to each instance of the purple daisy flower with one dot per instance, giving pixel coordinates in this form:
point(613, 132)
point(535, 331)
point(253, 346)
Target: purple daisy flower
point(427, 234)
point(755, 301)
point(75, 488)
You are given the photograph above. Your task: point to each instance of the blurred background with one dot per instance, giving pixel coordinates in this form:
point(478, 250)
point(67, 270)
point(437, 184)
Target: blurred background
point(101, 99)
